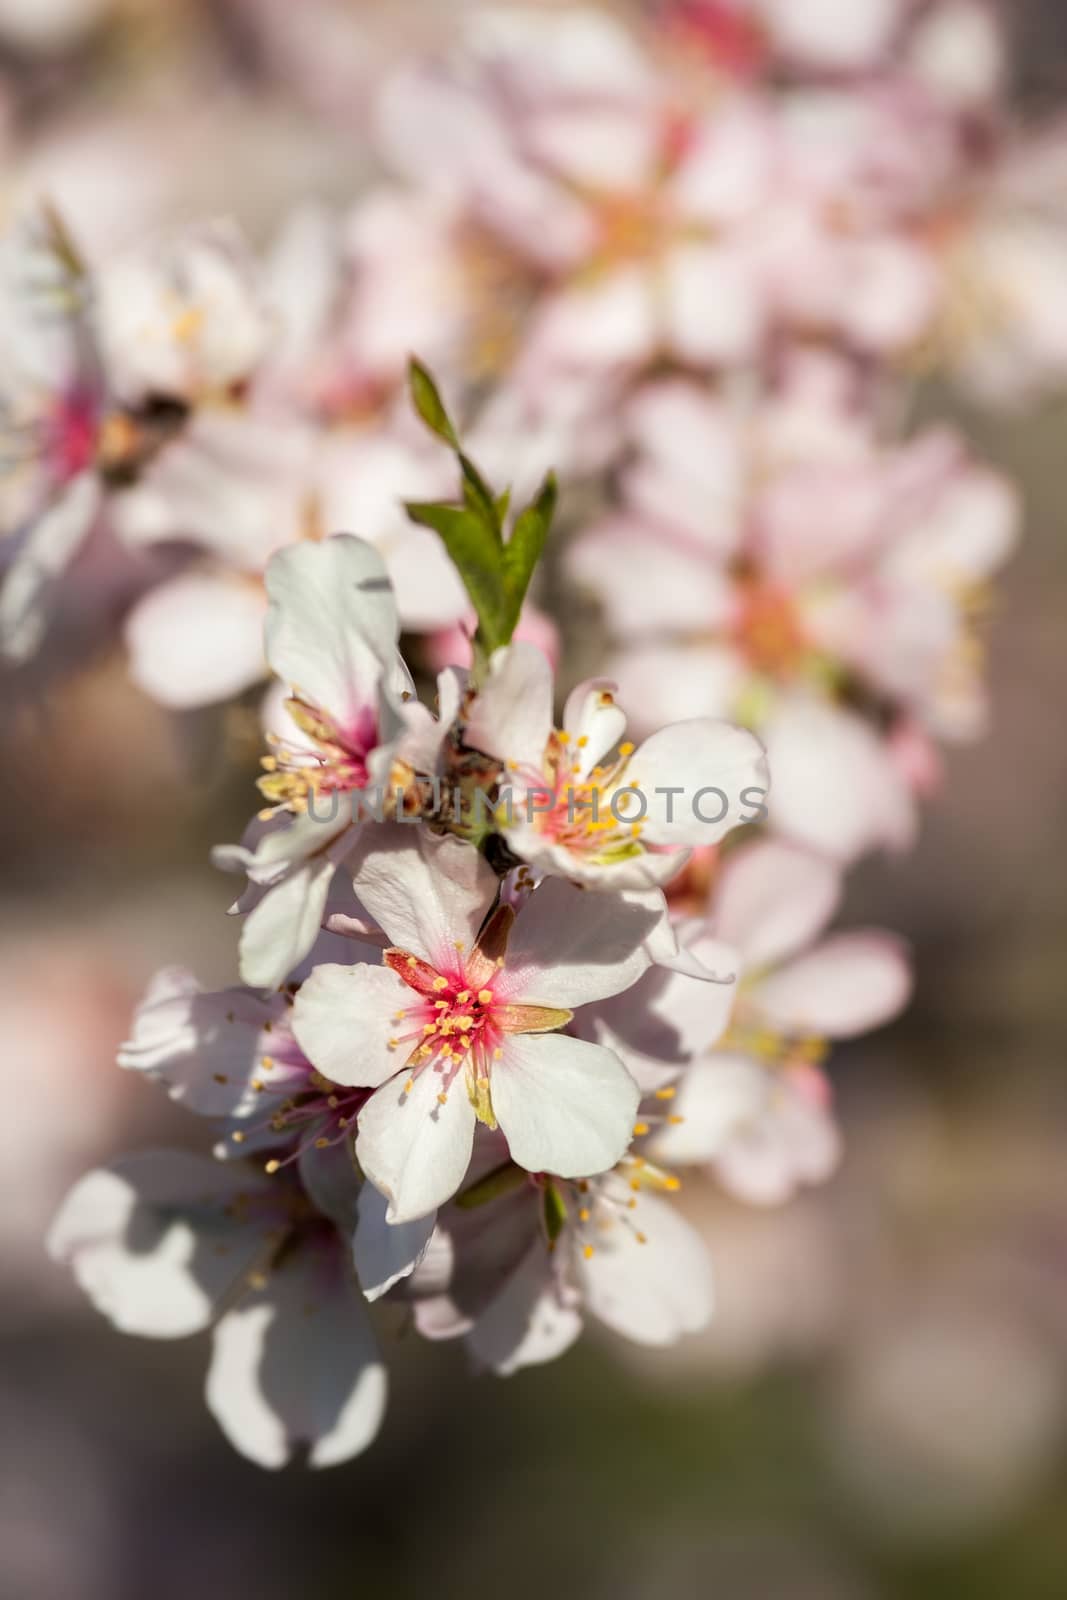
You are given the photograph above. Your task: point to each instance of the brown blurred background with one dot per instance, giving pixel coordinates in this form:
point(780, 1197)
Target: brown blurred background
point(881, 1407)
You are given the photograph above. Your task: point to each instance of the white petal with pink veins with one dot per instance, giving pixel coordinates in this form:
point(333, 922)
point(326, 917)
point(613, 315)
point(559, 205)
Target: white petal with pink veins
point(773, 898)
point(565, 1106)
point(197, 639)
point(511, 718)
point(297, 1363)
point(412, 1147)
point(429, 894)
point(343, 1019)
point(850, 983)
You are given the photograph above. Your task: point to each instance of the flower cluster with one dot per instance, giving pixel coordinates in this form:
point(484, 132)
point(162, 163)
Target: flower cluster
point(509, 966)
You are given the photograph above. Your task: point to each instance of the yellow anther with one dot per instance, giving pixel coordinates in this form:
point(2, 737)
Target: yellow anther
point(498, 1054)
point(639, 1129)
point(563, 736)
point(583, 741)
point(462, 999)
point(238, 1138)
point(584, 1215)
point(429, 1027)
point(440, 1005)
point(485, 997)
point(626, 749)
point(266, 1062)
point(391, 1044)
point(673, 1184)
point(464, 1024)
point(409, 1085)
point(272, 1167)
point(322, 1144)
point(666, 1094)
point(439, 984)
point(459, 945)
point(333, 1102)
point(442, 1099)
point(588, 1252)
point(642, 1238)
point(675, 1121)
point(412, 962)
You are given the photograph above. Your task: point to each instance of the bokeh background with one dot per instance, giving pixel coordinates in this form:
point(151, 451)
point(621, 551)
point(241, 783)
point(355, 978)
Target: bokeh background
point(880, 1409)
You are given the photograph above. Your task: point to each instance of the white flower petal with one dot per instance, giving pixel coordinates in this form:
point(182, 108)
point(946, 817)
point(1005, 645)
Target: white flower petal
point(569, 946)
point(564, 1105)
point(150, 1240)
point(297, 1363)
point(697, 758)
point(45, 552)
point(385, 1252)
point(343, 1019)
point(836, 788)
point(650, 1292)
point(206, 1048)
point(714, 1098)
point(772, 898)
point(413, 1148)
point(428, 893)
point(511, 719)
point(593, 722)
point(332, 626)
point(280, 930)
point(197, 639)
point(851, 983)
point(526, 1324)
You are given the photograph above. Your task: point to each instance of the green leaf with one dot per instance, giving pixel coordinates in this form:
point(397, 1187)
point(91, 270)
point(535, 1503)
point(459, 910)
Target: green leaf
point(429, 405)
point(502, 1180)
point(555, 1212)
point(524, 549)
point(479, 498)
point(475, 555)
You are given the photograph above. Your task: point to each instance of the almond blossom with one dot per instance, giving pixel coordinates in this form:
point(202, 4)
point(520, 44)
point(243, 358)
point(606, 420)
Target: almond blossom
point(516, 1262)
point(166, 1243)
point(758, 1108)
point(462, 1022)
point(614, 822)
point(331, 636)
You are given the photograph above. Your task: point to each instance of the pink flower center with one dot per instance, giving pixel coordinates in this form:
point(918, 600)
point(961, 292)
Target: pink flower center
point(71, 433)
